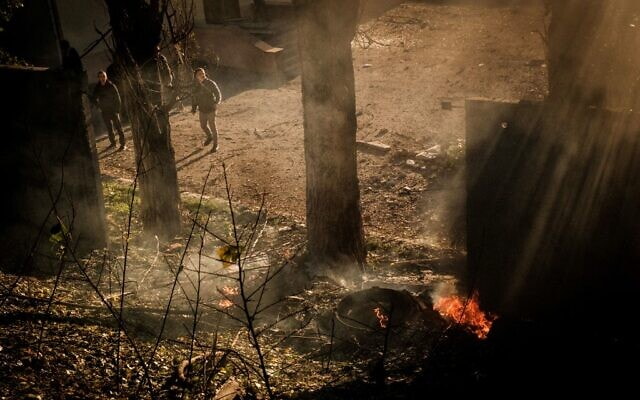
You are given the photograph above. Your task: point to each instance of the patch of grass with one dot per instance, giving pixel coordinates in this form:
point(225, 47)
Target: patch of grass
point(117, 198)
point(209, 205)
point(375, 244)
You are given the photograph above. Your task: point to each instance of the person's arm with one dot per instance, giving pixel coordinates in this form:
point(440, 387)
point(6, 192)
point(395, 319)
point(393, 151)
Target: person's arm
point(218, 93)
point(215, 90)
point(194, 98)
point(93, 96)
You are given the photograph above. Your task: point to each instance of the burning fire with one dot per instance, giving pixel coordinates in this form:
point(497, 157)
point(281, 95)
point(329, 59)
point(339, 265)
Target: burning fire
point(383, 320)
point(456, 309)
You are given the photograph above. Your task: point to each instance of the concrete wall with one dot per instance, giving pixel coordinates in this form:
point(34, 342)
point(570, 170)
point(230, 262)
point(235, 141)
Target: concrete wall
point(79, 20)
point(48, 158)
point(39, 46)
point(236, 48)
point(552, 208)
point(198, 13)
point(246, 11)
point(73, 20)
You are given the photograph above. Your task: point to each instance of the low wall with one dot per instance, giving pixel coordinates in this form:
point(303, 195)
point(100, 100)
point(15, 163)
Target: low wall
point(48, 166)
point(236, 48)
point(553, 207)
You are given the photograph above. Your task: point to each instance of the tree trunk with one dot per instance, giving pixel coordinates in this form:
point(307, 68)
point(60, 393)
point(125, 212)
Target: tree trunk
point(334, 223)
point(137, 29)
point(157, 175)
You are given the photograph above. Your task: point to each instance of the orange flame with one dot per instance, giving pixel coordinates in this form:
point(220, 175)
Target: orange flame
point(383, 320)
point(455, 308)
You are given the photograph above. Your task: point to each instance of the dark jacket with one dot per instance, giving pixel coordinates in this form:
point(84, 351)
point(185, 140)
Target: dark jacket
point(107, 97)
point(206, 96)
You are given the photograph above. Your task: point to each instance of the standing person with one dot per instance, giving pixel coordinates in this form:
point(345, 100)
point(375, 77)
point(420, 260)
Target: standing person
point(206, 96)
point(165, 74)
point(107, 98)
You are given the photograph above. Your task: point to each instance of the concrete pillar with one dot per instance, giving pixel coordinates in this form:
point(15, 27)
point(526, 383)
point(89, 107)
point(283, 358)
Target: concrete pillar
point(553, 208)
point(48, 163)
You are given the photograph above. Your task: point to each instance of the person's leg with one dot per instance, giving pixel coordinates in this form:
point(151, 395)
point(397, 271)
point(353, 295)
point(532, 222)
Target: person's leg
point(106, 117)
point(118, 126)
point(214, 129)
point(204, 124)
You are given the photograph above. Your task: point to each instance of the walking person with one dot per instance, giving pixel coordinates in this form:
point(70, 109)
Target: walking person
point(107, 98)
point(164, 85)
point(205, 97)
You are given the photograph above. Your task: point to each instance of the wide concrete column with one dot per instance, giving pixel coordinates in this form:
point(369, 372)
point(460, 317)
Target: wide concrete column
point(48, 166)
point(553, 208)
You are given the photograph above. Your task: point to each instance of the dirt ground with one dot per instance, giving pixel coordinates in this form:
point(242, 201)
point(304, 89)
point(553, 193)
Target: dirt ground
point(407, 63)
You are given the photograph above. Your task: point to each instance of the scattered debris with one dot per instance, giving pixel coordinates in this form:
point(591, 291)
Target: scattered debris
point(400, 155)
point(374, 147)
point(430, 154)
point(382, 132)
point(536, 63)
point(448, 105)
point(231, 390)
point(174, 246)
point(363, 318)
